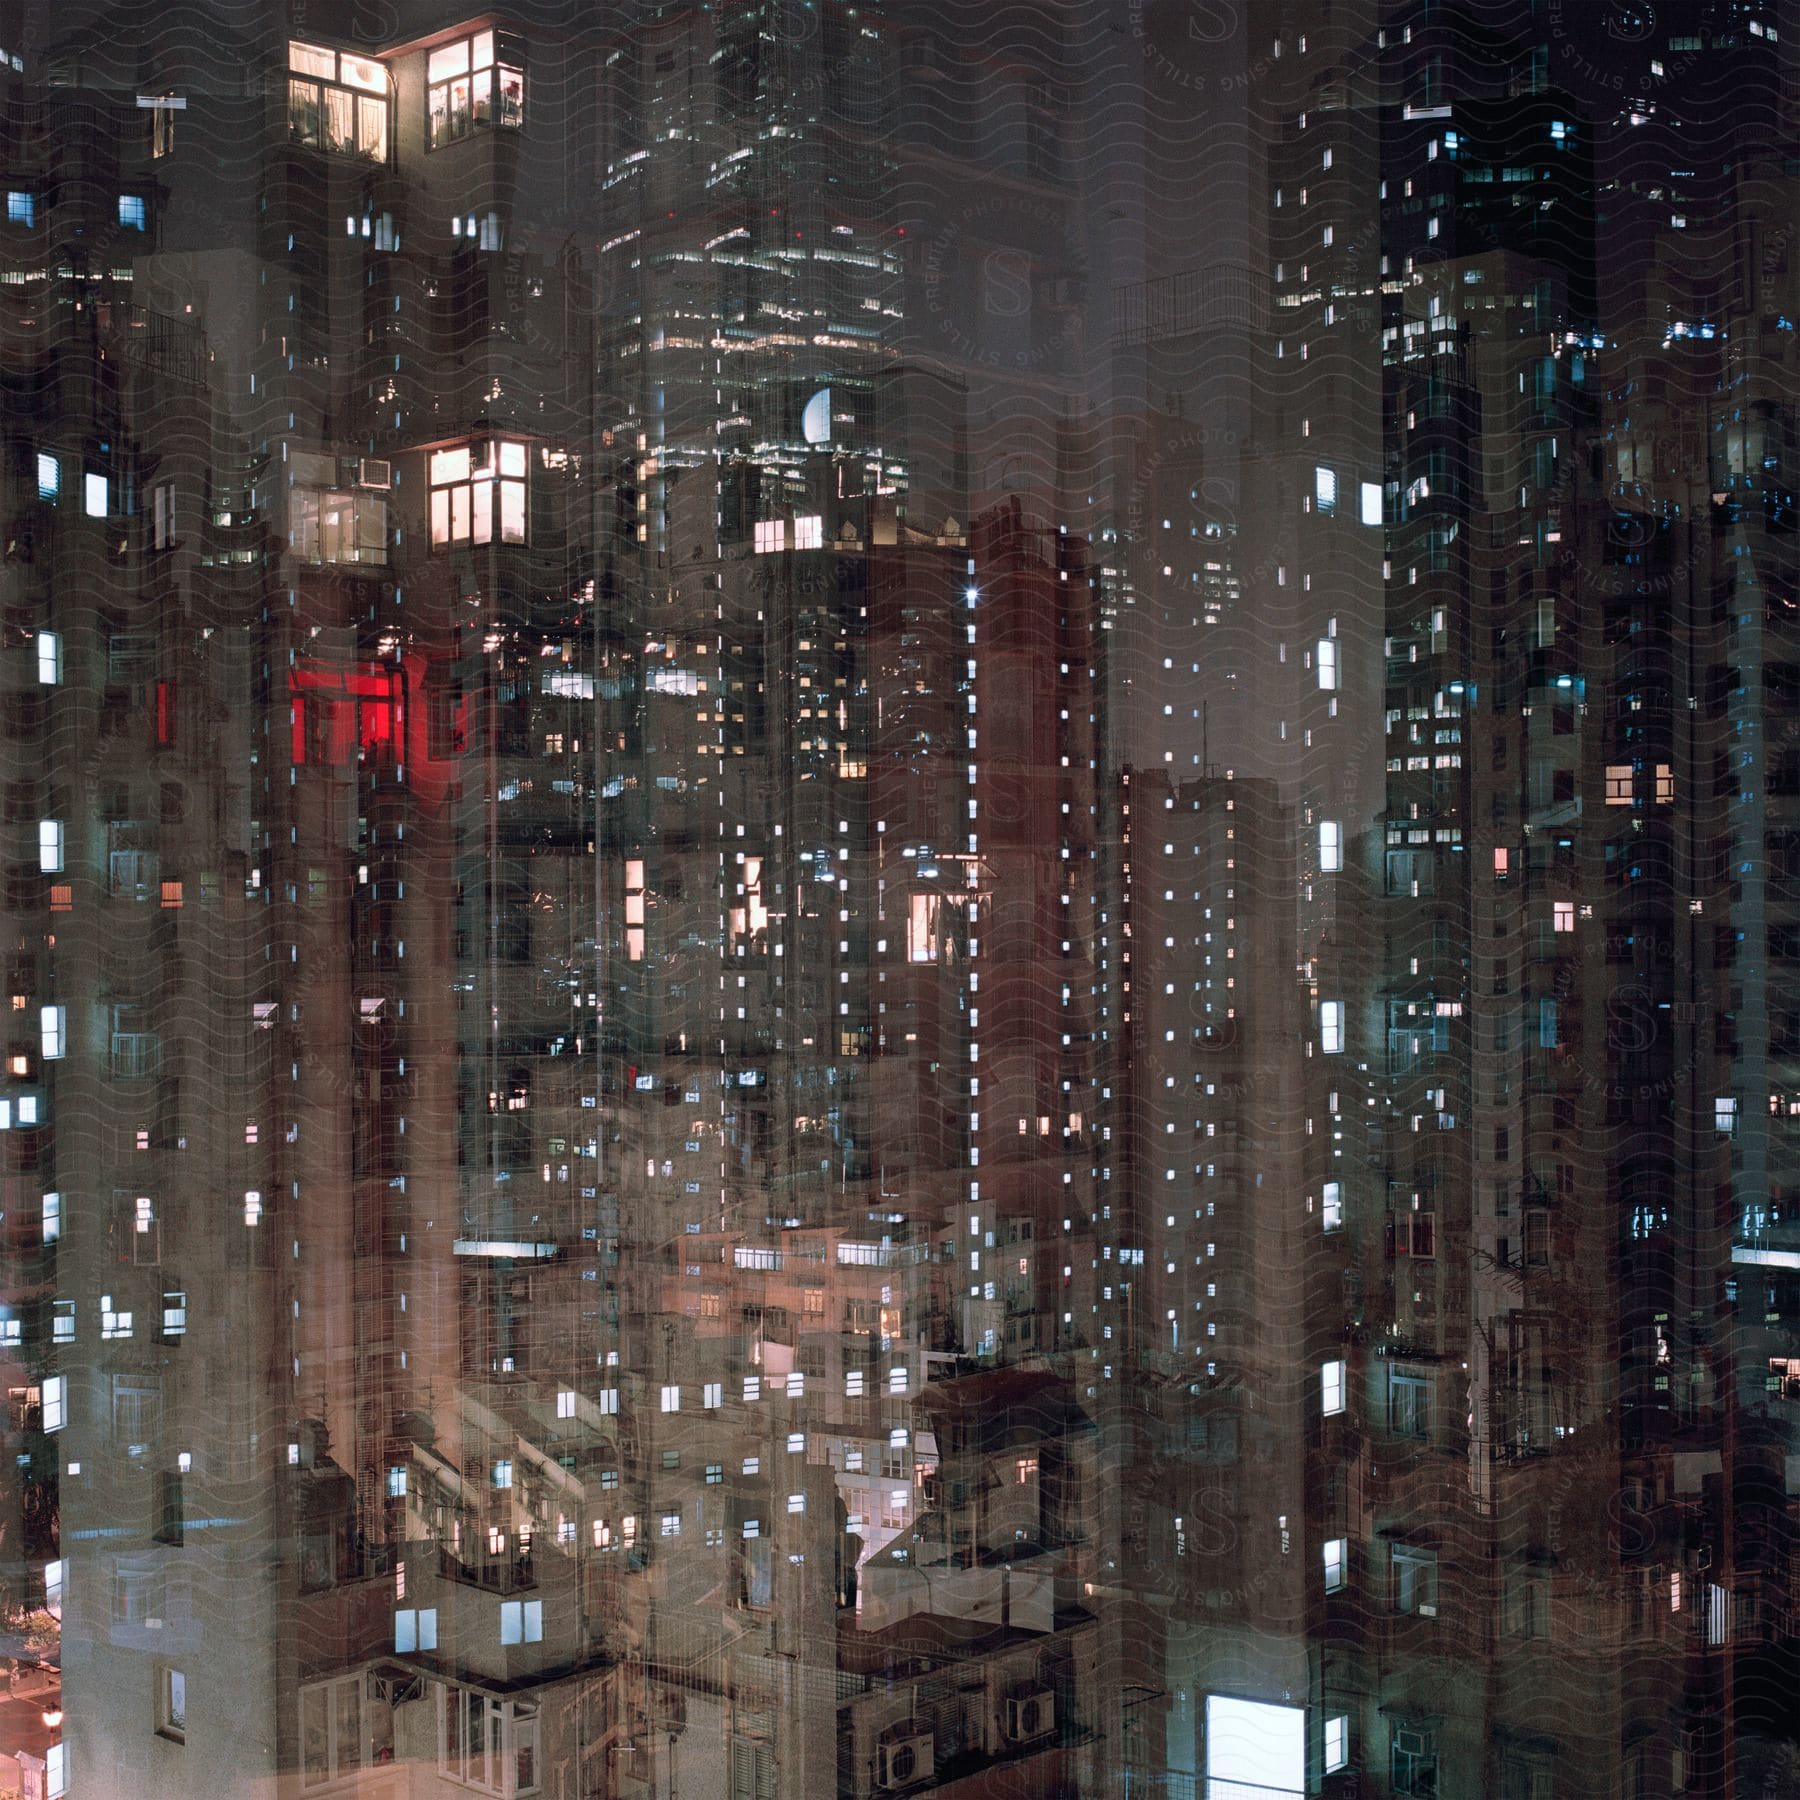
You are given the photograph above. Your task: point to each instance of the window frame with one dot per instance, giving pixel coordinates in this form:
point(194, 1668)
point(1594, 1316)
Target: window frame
point(490, 52)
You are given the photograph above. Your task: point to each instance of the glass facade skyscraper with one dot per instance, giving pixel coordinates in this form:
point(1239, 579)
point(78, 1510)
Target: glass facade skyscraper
point(900, 899)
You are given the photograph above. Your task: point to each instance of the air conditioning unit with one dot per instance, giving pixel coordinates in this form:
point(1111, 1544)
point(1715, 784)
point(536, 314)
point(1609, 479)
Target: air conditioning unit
point(375, 472)
point(1030, 1713)
point(906, 1761)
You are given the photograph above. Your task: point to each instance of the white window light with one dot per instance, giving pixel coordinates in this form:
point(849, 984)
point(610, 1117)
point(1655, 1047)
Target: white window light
point(49, 658)
point(53, 1031)
point(52, 1217)
point(415, 1628)
point(1337, 1742)
point(1331, 846)
point(93, 496)
point(1335, 1559)
point(55, 1402)
point(1331, 1205)
point(671, 1397)
point(49, 476)
point(1325, 488)
point(1370, 511)
point(50, 846)
point(522, 1621)
point(1331, 1027)
point(503, 1473)
point(1326, 659)
point(1331, 1387)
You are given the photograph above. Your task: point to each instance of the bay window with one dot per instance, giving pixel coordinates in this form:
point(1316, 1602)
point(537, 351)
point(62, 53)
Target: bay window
point(474, 83)
point(478, 493)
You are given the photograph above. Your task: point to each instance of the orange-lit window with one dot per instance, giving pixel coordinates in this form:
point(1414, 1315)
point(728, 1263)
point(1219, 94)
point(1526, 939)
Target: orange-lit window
point(62, 898)
point(171, 893)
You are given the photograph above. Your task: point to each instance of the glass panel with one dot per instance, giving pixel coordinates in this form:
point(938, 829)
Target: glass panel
point(304, 121)
point(451, 59)
point(311, 59)
point(450, 465)
point(372, 129)
point(340, 119)
point(512, 512)
point(484, 50)
point(363, 72)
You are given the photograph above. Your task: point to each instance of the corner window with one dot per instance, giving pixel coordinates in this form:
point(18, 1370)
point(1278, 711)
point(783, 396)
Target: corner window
point(337, 509)
point(478, 493)
point(473, 84)
point(337, 102)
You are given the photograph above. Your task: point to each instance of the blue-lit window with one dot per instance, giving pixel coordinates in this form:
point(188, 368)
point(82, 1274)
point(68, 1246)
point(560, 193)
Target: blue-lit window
point(21, 208)
point(131, 211)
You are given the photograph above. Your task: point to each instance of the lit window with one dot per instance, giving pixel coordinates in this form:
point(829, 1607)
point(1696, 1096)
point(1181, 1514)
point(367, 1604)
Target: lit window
point(771, 535)
point(475, 83)
point(93, 496)
point(1331, 846)
point(503, 1473)
point(565, 1403)
point(1331, 1206)
point(1331, 1027)
point(1725, 1115)
point(712, 1395)
point(796, 1503)
point(1325, 489)
point(809, 533)
point(1371, 503)
point(1331, 1388)
point(522, 1621)
point(1337, 1742)
point(171, 1705)
point(56, 1771)
point(337, 509)
point(174, 1314)
point(415, 1628)
point(1327, 661)
point(53, 1030)
point(1562, 913)
point(21, 208)
point(55, 1402)
point(470, 485)
point(337, 102)
point(1335, 1560)
point(49, 476)
point(1618, 784)
point(132, 214)
point(50, 846)
point(52, 1217)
